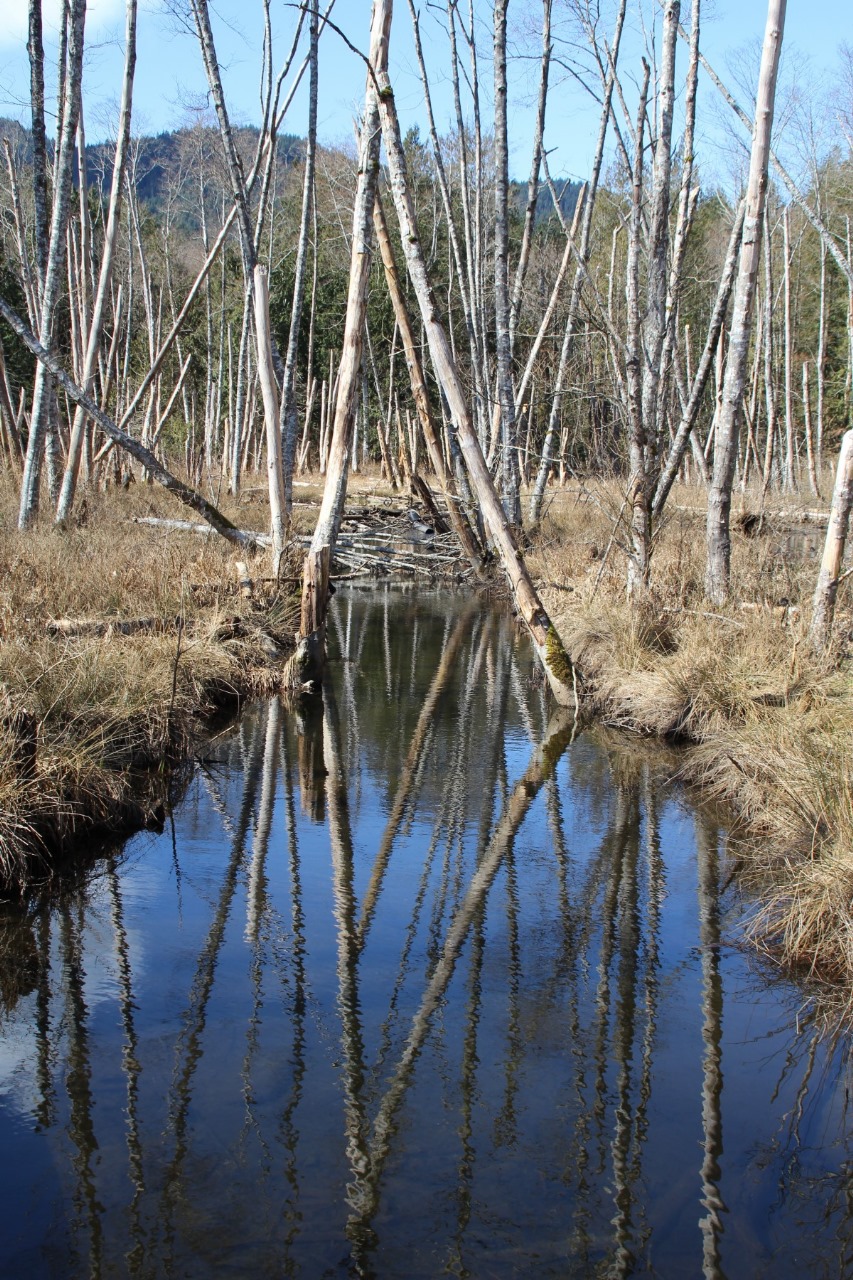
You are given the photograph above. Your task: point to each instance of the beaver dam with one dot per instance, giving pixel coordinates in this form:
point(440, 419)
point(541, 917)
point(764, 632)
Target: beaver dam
point(419, 978)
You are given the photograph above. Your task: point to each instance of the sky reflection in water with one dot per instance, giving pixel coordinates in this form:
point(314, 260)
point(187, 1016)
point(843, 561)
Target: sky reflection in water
point(416, 983)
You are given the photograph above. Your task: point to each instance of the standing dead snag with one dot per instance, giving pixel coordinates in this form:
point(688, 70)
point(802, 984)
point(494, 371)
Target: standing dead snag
point(461, 525)
point(315, 580)
point(728, 426)
point(829, 577)
point(53, 252)
point(556, 662)
point(269, 389)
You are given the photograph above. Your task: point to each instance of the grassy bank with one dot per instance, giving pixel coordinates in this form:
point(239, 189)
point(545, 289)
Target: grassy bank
point(768, 726)
point(93, 721)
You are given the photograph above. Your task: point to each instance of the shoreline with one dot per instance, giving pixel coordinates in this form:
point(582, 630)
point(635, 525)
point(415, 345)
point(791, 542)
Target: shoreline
point(765, 727)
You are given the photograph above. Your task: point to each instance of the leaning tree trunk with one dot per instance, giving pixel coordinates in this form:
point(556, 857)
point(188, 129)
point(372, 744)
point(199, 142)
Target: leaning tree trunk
point(558, 666)
point(726, 442)
point(195, 501)
point(315, 577)
point(466, 536)
point(829, 577)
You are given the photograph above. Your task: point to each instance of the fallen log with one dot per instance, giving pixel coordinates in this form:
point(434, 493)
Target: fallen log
point(189, 497)
point(71, 627)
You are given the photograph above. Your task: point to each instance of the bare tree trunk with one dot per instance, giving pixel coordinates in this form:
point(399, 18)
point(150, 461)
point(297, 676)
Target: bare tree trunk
point(503, 334)
point(35, 49)
point(461, 525)
point(823, 606)
point(535, 164)
point(640, 554)
point(821, 363)
point(72, 465)
point(466, 267)
point(687, 198)
point(558, 666)
point(136, 450)
point(691, 410)
point(725, 453)
point(315, 579)
point(536, 498)
point(790, 476)
point(290, 423)
point(43, 391)
point(269, 390)
point(769, 386)
point(807, 425)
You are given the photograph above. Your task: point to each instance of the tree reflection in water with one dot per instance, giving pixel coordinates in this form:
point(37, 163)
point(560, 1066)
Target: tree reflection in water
point(421, 983)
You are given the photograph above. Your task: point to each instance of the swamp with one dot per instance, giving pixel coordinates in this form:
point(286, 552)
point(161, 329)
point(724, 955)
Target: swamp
point(417, 980)
point(426, 639)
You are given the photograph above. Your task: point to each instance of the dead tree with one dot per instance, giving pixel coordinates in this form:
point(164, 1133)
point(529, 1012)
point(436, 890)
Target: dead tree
point(582, 255)
point(269, 390)
point(461, 525)
point(315, 577)
point(289, 424)
point(557, 665)
point(823, 607)
point(72, 465)
point(51, 281)
point(511, 481)
point(726, 440)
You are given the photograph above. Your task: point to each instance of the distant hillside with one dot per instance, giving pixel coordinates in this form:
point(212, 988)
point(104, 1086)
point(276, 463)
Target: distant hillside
point(567, 190)
point(158, 159)
point(171, 158)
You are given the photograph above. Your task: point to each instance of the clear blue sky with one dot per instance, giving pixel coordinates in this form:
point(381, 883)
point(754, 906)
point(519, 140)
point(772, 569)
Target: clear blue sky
point(170, 77)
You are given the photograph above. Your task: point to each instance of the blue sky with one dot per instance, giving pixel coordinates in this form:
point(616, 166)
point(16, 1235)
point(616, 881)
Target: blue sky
point(170, 80)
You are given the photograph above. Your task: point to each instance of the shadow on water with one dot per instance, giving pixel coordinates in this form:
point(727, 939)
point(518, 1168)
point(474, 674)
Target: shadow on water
point(420, 981)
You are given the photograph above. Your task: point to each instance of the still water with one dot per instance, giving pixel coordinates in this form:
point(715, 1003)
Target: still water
point(415, 983)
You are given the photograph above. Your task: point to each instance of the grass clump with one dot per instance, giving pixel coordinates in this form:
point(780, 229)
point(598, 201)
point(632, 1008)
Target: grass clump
point(767, 723)
point(94, 723)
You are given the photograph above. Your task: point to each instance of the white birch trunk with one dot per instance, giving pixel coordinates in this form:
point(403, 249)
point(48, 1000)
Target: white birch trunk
point(726, 450)
point(43, 391)
point(557, 665)
point(315, 580)
point(823, 606)
point(72, 464)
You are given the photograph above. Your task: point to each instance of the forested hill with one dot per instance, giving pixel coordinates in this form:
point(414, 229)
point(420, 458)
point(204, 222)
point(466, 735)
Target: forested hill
point(160, 163)
point(164, 162)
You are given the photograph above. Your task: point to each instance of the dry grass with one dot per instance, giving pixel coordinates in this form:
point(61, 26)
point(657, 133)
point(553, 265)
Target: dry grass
point(769, 726)
point(112, 714)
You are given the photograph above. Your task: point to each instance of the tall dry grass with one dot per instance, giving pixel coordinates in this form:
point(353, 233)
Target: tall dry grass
point(768, 724)
point(113, 714)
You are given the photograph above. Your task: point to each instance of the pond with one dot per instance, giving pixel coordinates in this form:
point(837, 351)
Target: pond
point(417, 981)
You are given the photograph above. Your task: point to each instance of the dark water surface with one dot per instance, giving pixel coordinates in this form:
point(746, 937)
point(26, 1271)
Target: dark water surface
point(414, 985)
